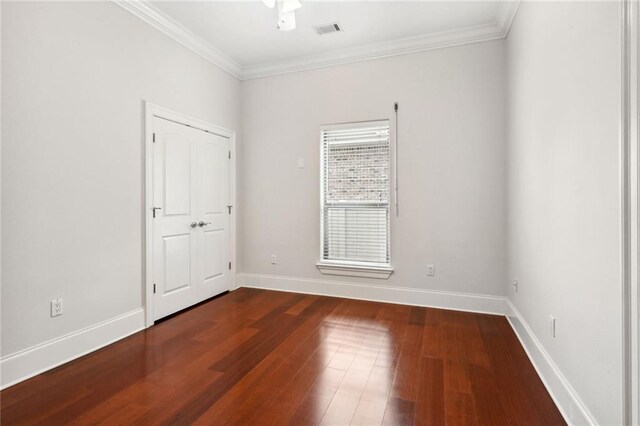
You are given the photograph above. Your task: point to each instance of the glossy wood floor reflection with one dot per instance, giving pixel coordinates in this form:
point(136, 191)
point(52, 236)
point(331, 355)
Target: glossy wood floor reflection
point(256, 357)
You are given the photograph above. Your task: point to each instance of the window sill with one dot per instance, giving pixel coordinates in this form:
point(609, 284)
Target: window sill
point(354, 270)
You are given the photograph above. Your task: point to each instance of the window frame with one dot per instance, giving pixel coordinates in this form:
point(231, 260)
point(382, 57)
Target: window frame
point(353, 268)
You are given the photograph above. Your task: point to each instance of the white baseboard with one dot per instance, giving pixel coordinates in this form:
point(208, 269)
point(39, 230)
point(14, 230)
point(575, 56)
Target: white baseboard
point(40, 358)
point(37, 359)
point(378, 293)
point(574, 411)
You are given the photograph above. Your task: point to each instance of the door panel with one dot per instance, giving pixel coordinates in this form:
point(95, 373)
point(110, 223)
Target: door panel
point(191, 187)
point(177, 169)
point(214, 256)
point(175, 260)
point(177, 265)
point(213, 209)
point(214, 174)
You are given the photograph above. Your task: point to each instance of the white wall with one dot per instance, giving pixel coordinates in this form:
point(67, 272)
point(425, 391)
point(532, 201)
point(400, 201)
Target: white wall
point(451, 165)
point(75, 74)
point(74, 77)
point(563, 175)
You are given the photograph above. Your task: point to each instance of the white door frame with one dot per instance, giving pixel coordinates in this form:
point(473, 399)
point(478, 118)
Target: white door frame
point(151, 111)
point(629, 202)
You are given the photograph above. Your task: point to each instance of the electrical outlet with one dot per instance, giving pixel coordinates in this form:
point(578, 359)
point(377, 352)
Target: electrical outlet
point(431, 270)
point(56, 307)
point(552, 326)
point(515, 284)
point(274, 259)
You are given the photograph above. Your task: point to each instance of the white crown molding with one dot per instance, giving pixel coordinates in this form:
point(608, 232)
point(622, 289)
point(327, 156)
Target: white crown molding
point(179, 33)
point(378, 51)
point(497, 30)
point(506, 15)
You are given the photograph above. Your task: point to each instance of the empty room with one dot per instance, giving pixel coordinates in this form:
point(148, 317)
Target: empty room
point(319, 212)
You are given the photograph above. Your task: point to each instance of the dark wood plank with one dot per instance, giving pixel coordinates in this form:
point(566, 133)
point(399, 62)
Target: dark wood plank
point(270, 358)
point(430, 400)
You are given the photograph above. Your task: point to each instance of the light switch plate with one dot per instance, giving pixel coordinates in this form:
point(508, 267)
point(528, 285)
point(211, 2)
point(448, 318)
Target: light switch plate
point(431, 270)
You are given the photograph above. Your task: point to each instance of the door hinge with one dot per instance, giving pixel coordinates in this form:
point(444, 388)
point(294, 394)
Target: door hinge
point(154, 289)
point(229, 207)
point(229, 265)
point(229, 155)
point(154, 138)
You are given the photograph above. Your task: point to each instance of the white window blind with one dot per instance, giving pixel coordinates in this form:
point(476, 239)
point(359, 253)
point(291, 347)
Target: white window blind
point(355, 194)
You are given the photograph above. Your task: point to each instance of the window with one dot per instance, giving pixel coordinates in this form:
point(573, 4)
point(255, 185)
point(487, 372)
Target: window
point(355, 193)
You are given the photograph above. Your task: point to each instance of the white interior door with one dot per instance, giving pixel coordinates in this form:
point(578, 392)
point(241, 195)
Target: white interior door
point(214, 274)
point(191, 224)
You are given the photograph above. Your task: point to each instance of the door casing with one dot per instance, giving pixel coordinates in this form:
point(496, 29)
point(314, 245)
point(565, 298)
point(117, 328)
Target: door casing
point(629, 205)
point(152, 110)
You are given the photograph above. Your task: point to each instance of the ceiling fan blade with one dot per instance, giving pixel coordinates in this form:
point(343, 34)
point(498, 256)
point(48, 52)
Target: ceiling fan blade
point(287, 6)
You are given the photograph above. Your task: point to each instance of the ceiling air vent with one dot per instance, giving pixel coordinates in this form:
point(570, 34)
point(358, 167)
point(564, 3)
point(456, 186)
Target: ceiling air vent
point(328, 28)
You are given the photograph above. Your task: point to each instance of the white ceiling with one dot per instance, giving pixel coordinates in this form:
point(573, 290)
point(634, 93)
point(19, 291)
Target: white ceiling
point(241, 36)
point(246, 31)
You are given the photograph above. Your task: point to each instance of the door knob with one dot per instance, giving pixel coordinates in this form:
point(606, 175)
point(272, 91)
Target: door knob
point(202, 224)
point(193, 224)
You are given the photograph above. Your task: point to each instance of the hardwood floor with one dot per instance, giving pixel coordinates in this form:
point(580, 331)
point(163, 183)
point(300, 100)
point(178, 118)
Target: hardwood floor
point(268, 358)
